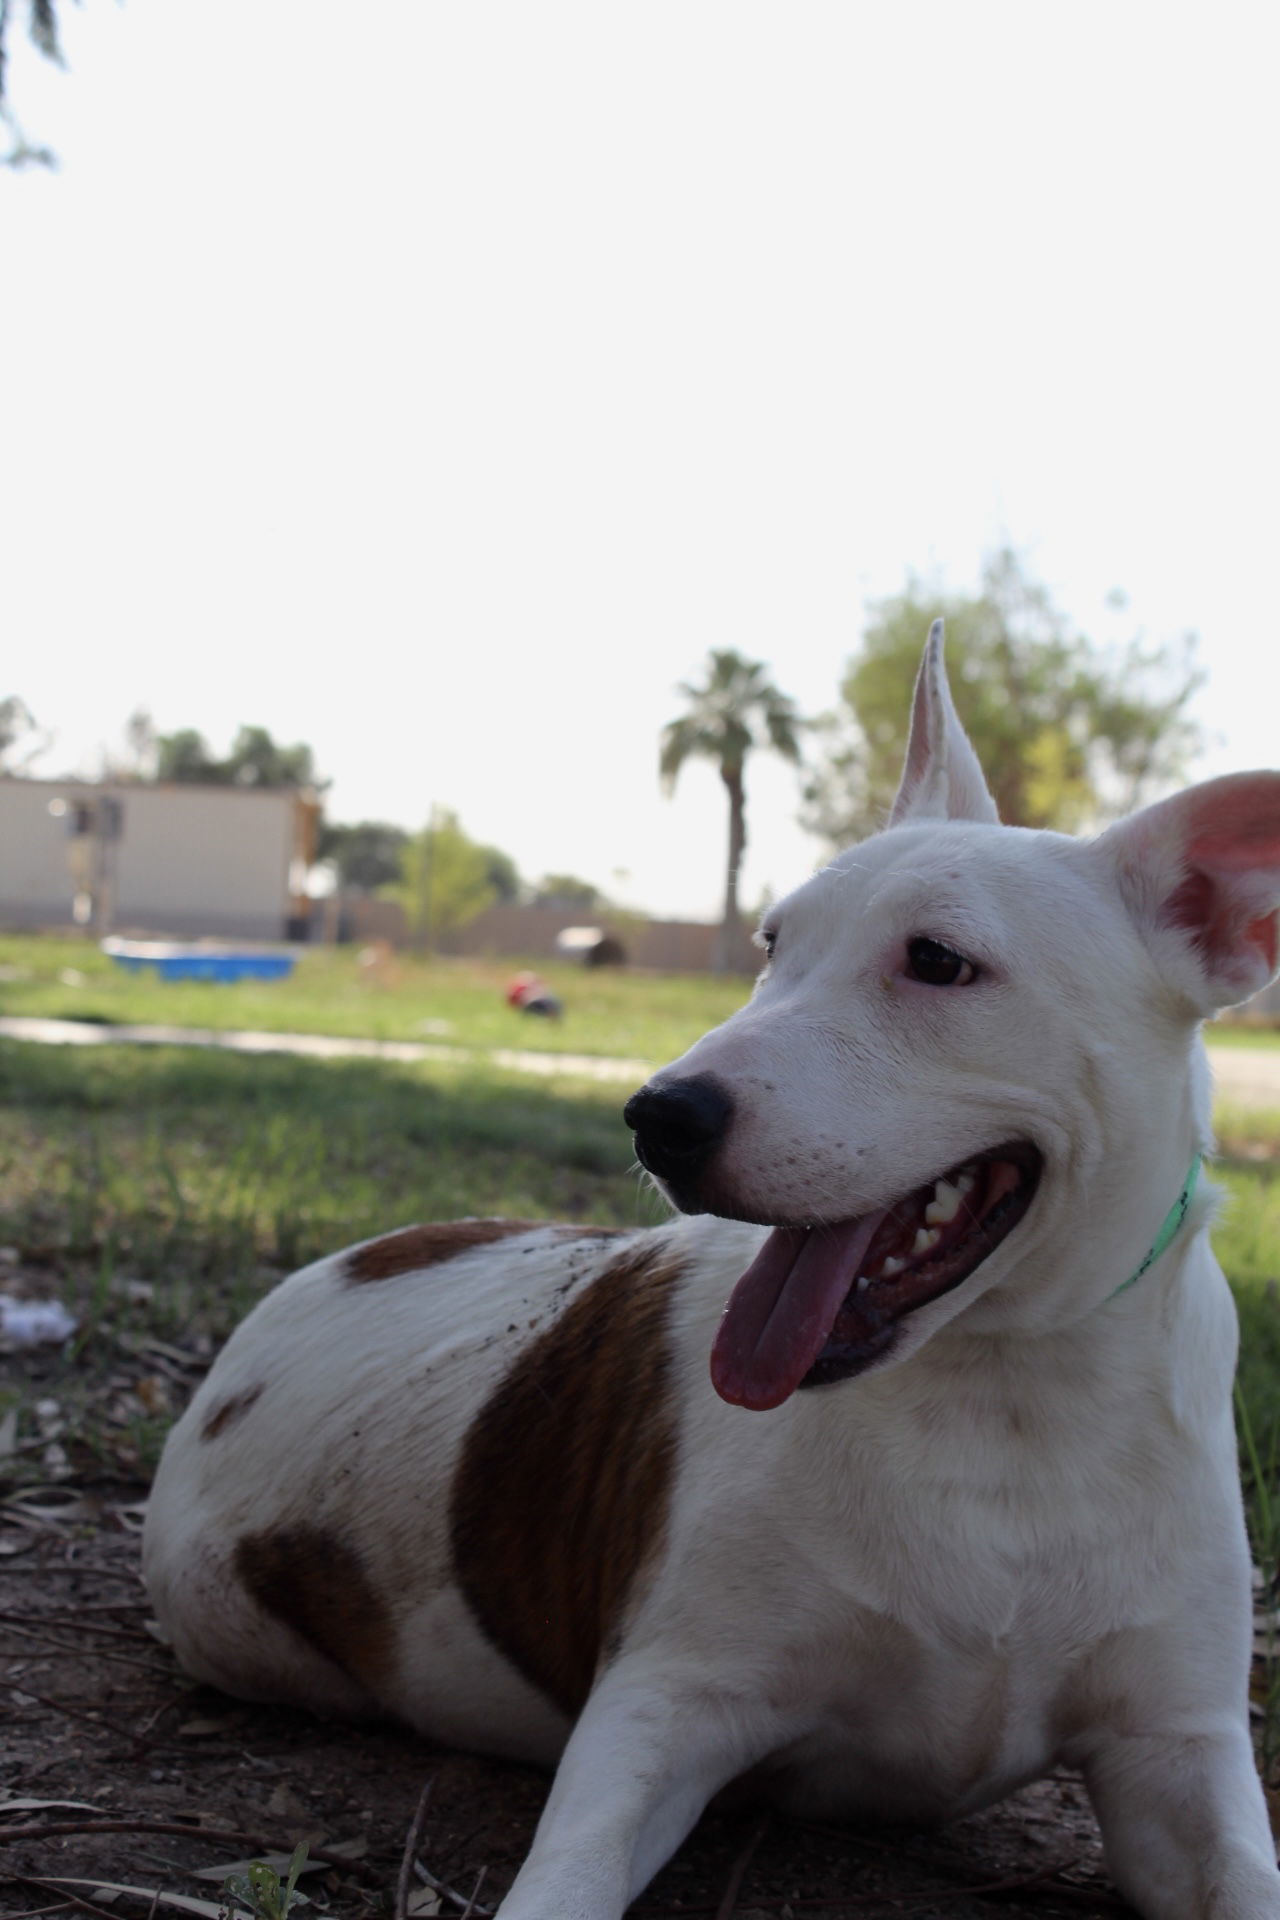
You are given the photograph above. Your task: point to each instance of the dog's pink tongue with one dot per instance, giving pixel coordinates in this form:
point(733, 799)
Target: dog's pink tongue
point(783, 1308)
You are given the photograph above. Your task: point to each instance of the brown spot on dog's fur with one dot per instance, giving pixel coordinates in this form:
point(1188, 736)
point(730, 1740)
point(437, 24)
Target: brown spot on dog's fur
point(230, 1412)
point(561, 1491)
point(317, 1583)
point(413, 1248)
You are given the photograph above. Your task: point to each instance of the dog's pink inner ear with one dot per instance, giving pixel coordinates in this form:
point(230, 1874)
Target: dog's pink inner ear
point(1234, 870)
point(1222, 936)
point(1223, 839)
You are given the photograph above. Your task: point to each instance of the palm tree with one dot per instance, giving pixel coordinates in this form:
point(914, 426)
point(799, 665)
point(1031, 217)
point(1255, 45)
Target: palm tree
point(734, 709)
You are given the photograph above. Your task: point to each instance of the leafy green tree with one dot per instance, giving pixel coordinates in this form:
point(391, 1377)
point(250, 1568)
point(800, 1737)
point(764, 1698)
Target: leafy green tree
point(566, 891)
point(504, 876)
point(733, 709)
point(185, 757)
point(366, 855)
point(1067, 735)
point(444, 879)
point(255, 760)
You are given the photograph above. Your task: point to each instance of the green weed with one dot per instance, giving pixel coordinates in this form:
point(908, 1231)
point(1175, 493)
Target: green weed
point(261, 1893)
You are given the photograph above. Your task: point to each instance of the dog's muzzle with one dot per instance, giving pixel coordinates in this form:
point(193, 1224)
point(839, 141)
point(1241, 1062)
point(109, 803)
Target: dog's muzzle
point(677, 1128)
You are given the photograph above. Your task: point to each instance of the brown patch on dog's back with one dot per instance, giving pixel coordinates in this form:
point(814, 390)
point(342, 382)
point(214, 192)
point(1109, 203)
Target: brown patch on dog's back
point(426, 1246)
point(562, 1486)
point(317, 1583)
point(230, 1412)
point(413, 1248)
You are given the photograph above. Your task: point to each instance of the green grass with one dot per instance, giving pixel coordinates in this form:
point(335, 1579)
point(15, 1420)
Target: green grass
point(1242, 1033)
point(159, 1191)
point(650, 1017)
point(193, 1167)
point(1247, 1240)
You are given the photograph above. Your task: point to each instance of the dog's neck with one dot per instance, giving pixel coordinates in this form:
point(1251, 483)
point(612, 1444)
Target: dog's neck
point(1169, 1228)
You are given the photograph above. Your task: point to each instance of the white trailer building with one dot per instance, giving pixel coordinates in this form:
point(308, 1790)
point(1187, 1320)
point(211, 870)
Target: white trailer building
point(187, 861)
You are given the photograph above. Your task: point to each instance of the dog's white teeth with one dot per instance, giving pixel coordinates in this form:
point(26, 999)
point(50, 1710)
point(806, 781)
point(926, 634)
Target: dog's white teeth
point(967, 1182)
point(926, 1239)
point(864, 1281)
point(945, 1204)
point(891, 1266)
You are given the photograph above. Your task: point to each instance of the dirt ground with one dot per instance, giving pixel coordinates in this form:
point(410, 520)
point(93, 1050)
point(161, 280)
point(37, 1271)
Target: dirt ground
point(118, 1773)
point(114, 1769)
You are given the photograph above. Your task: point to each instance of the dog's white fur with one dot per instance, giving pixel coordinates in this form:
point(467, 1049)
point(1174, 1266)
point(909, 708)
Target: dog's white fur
point(1016, 1543)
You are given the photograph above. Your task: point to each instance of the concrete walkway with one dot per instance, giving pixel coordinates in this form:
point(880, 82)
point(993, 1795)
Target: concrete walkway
point(1245, 1076)
point(322, 1046)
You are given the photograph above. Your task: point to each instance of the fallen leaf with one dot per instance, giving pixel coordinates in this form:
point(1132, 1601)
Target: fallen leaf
point(180, 1902)
point(34, 1806)
point(135, 1290)
point(47, 1504)
point(153, 1392)
point(284, 1804)
point(278, 1862)
point(141, 1345)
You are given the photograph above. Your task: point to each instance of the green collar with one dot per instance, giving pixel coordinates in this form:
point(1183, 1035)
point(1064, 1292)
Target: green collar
point(1172, 1222)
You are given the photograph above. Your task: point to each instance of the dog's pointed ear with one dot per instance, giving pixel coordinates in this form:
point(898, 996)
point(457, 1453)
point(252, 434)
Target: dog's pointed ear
point(941, 778)
point(1201, 875)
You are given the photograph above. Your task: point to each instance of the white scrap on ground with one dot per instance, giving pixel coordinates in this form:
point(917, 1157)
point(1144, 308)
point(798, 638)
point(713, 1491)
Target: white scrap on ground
point(35, 1323)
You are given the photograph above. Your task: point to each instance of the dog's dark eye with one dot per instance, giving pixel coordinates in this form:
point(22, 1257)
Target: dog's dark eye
point(938, 966)
point(768, 939)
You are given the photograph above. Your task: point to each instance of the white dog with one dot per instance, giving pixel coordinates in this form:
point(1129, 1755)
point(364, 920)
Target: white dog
point(959, 1502)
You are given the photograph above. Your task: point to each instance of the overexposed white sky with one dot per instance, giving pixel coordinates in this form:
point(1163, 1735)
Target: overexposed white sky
point(437, 383)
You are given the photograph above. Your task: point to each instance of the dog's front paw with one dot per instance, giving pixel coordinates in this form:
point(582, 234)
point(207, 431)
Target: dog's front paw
point(1248, 1890)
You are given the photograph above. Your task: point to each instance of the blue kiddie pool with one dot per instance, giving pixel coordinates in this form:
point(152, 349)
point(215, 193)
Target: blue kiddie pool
point(174, 962)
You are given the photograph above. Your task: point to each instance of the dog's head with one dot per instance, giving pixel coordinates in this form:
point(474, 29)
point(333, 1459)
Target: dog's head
point(968, 1074)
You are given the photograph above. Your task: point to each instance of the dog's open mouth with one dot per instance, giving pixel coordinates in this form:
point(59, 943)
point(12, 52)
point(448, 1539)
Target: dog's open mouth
point(820, 1303)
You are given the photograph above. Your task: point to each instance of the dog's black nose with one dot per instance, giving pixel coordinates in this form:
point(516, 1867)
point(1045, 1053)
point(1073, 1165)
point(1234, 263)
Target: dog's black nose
point(677, 1126)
